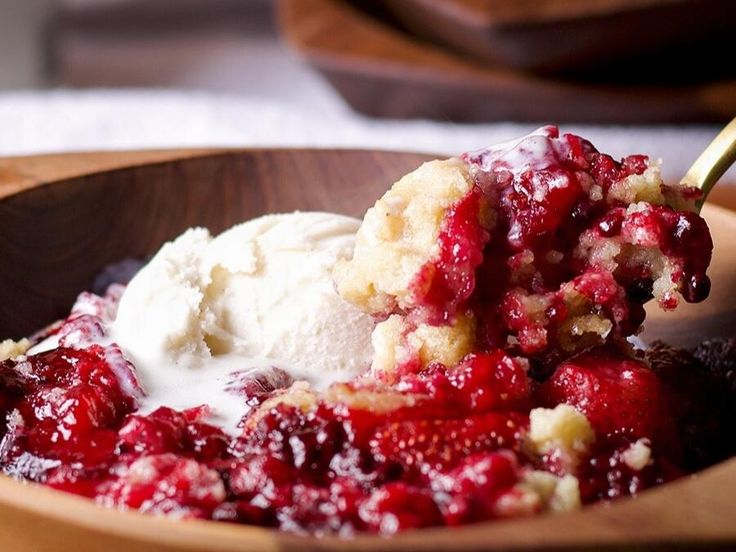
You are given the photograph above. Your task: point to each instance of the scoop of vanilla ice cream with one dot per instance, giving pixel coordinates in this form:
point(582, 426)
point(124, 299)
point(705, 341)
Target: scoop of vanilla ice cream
point(262, 289)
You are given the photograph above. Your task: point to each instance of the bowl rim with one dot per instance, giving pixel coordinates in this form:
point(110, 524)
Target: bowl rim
point(592, 525)
point(596, 524)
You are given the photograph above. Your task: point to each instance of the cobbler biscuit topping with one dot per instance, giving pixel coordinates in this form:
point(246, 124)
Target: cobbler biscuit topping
point(503, 285)
point(548, 247)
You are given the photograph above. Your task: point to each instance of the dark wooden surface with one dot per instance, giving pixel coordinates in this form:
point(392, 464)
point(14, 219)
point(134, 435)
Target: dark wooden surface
point(384, 72)
point(63, 217)
point(561, 35)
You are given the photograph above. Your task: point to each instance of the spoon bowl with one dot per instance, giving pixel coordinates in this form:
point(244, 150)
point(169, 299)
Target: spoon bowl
point(715, 160)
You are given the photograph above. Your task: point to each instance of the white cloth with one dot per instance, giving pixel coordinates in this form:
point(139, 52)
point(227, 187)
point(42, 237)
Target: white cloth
point(70, 120)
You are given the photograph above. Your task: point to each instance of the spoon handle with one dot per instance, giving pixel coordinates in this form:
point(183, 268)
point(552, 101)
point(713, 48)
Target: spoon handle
point(713, 162)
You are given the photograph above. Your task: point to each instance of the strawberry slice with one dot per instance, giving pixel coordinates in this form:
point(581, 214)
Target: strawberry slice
point(479, 383)
point(618, 394)
point(424, 446)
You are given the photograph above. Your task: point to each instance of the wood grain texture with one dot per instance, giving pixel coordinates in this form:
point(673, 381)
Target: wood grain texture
point(555, 35)
point(55, 238)
point(383, 72)
point(56, 232)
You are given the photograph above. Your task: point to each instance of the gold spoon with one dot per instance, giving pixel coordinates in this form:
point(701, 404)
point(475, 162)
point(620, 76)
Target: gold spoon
point(713, 162)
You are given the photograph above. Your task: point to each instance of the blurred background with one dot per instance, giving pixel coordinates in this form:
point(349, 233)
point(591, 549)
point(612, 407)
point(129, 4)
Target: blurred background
point(434, 75)
point(217, 45)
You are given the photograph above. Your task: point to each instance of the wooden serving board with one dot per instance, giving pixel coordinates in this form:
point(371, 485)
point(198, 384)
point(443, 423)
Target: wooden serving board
point(384, 72)
point(63, 217)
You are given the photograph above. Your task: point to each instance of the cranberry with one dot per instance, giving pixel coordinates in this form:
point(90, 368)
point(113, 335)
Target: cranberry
point(306, 442)
point(551, 194)
point(696, 288)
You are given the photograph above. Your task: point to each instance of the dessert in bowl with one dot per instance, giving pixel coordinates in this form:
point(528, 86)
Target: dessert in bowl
point(522, 399)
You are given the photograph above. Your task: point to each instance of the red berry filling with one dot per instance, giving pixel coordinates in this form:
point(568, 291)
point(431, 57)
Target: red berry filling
point(551, 266)
point(551, 238)
point(454, 454)
point(445, 283)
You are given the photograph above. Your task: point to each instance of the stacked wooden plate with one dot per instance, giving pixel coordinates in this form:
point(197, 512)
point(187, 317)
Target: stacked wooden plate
point(602, 61)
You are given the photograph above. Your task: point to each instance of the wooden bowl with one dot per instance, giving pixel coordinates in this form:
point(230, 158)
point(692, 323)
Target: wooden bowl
point(554, 35)
point(63, 217)
point(384, 72)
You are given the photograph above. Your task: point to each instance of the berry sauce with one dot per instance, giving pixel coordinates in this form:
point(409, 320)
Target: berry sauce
point(448, 447)
point(524, 252)
point(526, 255)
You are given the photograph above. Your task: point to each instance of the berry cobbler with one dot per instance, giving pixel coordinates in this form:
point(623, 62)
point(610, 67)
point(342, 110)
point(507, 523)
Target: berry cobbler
point(463, 354)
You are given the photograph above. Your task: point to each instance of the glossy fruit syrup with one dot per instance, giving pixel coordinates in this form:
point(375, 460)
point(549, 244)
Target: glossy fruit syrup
point(551, 259)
